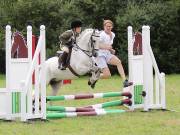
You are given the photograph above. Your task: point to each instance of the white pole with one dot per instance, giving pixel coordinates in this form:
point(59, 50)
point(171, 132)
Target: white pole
point(130, 56)
point(34, 61)
point(29, 42)
point(8, 64)
point(43, 72)
point(36, 90)
point(29, 92)
point(23, 101)
point(157, 90)
point(147, 68)
point(163, 92)
point(130, 50)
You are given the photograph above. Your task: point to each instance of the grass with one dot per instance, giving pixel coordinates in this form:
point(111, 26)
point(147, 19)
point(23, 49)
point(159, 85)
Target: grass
point(131, 123)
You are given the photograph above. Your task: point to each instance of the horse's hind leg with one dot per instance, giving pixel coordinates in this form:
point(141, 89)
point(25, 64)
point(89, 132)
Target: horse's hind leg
point(55, 85)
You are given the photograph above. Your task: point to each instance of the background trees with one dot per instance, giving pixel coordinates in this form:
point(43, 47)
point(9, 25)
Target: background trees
point(163, 16)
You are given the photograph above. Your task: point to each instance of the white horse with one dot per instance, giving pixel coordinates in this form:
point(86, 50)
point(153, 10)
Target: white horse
point(81, 61)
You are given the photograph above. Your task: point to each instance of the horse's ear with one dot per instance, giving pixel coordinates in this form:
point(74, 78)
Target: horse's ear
point(94, 30)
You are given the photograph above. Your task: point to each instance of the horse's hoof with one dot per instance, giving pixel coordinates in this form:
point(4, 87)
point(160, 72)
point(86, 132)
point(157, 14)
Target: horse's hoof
point(89, 83)
point(92, 86)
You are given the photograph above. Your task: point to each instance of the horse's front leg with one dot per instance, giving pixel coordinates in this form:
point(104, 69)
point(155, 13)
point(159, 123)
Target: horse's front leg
point(96, 72)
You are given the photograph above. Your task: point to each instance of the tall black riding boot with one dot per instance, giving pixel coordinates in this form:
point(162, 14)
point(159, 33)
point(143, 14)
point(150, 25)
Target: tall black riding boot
point(63, 61)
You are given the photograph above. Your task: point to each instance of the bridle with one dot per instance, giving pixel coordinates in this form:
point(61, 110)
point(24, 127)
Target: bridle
point(90, 53)
point(90, 43)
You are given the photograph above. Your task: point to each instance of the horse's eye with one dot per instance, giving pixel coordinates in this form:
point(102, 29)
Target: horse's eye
point(94, 41)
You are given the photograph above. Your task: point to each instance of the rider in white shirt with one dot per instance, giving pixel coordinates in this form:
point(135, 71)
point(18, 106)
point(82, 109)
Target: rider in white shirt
point(106, 53)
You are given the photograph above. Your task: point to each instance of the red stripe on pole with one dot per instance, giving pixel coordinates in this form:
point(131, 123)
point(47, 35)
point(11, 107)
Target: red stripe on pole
point(66, 81)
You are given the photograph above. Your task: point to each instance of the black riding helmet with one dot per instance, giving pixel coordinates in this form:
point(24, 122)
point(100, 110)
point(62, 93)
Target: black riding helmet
point(75, 24)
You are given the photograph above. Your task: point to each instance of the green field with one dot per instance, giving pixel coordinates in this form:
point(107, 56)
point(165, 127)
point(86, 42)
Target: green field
point(131, 123)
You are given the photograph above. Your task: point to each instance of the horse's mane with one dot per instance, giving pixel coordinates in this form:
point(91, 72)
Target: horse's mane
point(85, 31)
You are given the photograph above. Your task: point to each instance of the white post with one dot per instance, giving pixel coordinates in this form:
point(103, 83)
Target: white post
point(163, 93)
point(130, 51)
point(130, 56)
point(8, 61)
point(36, 90)
point(147, 68)
point(157, 89)
point(43, 72)
point(29, 42)
point(23, 101)
point(29, 92)
point(150, 75)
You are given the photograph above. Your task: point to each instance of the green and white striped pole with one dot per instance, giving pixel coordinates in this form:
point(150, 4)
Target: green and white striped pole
point(76, 114)
point(88, 96)
point(91, 107)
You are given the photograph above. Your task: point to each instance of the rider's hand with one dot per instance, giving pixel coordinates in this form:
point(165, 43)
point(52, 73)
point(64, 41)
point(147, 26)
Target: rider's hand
point(113, 51)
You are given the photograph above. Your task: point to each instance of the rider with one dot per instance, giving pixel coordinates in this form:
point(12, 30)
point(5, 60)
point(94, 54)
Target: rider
point(68, 38)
